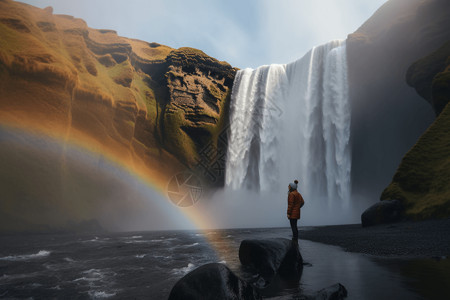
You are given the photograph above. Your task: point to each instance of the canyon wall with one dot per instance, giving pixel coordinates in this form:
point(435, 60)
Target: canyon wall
point(145, 106)
point(388, 116)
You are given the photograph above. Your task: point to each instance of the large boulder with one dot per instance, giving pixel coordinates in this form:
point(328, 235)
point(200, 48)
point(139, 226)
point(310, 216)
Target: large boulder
point(270, 257)
point(386, 211)
point(212, 281)
point(334, 292)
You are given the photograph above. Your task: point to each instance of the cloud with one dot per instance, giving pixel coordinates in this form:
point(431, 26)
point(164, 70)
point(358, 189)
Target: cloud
point(245, 33)
point(294, 27)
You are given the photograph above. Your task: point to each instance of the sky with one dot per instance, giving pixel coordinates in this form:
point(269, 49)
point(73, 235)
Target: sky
point(245, 33)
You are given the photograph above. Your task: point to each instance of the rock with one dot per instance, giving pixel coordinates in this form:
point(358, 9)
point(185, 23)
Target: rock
point(334, 292)
point(199, 89)
point(421, 179)
point(270, 257)
point(212, 281)
point(49, 10)
point(379, 54)
point(385, 211)
point(426, 74)
point(155, 110)
point(273, 259)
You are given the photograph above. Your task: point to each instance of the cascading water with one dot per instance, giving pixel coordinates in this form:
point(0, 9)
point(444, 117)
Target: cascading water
point(293, 121)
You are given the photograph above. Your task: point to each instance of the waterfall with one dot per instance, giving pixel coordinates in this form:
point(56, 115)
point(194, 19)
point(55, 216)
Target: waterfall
point(293, 122)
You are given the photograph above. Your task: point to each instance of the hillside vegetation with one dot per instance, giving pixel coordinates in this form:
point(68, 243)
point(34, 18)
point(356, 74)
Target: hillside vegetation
point(422, 181)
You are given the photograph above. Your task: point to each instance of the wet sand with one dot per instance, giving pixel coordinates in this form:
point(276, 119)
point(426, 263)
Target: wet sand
point(424, 239)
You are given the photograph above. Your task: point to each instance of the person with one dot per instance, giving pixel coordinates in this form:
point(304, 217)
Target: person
point(295, 202)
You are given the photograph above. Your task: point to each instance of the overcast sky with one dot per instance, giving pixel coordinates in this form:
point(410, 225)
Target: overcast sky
point(245, 33)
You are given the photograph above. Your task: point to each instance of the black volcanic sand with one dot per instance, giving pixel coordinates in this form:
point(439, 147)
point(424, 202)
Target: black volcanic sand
point(424, 239)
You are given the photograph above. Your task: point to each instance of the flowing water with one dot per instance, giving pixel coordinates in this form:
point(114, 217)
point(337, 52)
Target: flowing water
point(293, 121)
point(146, 265)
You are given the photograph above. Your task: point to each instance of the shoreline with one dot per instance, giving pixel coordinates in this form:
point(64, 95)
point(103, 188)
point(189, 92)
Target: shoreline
point(408, 239)
point(420, 239)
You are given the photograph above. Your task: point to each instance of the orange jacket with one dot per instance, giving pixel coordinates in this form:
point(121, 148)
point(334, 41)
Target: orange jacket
point(295, 201)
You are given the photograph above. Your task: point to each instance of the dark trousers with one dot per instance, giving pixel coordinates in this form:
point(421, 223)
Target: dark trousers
point(294, 228)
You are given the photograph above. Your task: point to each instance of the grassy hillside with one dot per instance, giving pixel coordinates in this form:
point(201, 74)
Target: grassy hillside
point(388, 116)
point(422, 181)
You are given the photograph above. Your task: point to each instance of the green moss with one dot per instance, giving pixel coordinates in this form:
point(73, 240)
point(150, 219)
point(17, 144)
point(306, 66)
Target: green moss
point(130, 123)
point(441, 89)
point(180, 144)
point(145, 95)
point(153, 151)
point(221, 126)
point(119, 69)
point(223, 117)
point(215, 92)
point(193, 58)
point(11, 40)
point(422, 179)
point(176, 140)
point(426, 77)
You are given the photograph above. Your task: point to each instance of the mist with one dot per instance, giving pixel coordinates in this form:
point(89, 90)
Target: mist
point(58, 182)
point(56, 185)
point(228, 208)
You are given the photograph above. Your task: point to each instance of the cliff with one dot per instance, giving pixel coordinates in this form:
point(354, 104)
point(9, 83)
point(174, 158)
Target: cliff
point(388, 116)
point(421, 182)
point(144, 101)
point(430, 76)
point(144, 105)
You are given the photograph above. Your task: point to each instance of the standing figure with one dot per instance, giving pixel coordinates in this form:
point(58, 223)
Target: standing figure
point(295, 202)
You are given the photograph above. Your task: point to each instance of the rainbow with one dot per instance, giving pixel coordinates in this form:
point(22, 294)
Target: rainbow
point(82, 152)
point(188, 218)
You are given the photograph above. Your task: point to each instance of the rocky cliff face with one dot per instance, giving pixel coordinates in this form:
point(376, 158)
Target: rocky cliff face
point(199, 88)
point(430, 76)
point(387, 115)
point(135, 98)
point(421, 182)
point(145, 105)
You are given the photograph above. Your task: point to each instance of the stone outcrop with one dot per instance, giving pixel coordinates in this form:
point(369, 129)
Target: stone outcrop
point(430, 76)
point(143, 105)
point(334, 292)
point(403, 39)
point(198, 89)
point(136, 93)
point(212, 281)
point(270, 257)
point(387, 211)
point(274, 260)
point(421, 181)
point(387, 115)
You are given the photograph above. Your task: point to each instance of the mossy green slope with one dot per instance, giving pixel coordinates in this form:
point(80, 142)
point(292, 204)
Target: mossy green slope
point(422, 181)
